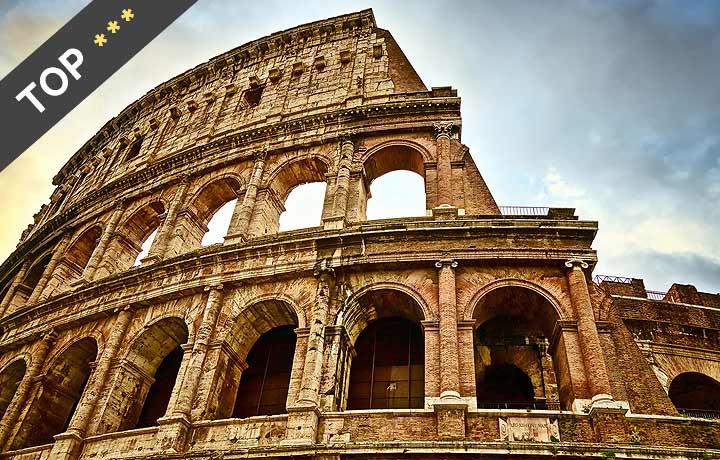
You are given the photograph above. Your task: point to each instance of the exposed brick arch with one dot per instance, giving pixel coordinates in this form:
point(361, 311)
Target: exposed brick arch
point(694, 391)
point(380, 300)
point(138, 392)
point(253, 322)
point(213, 194)
point(10, 377)
point(125, 245)
point(58, 395)
point(393, 156)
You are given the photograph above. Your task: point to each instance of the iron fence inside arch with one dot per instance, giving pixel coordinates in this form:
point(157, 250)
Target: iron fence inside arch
point(524, 210)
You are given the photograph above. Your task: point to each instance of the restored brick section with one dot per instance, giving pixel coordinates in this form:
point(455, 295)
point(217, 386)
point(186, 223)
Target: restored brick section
point(151, 361)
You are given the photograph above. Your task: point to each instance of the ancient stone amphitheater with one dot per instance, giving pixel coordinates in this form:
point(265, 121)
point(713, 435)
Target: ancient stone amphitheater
point(472, 331)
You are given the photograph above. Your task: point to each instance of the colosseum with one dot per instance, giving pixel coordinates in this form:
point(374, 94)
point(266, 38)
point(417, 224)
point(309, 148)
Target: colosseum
point(472, 331)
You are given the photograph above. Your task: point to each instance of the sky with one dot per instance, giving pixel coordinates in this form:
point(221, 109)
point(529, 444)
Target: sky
point(610, 107)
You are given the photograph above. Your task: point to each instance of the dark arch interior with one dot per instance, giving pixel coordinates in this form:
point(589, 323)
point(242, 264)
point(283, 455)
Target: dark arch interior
point(50, 412)
point(695, 391)
point(504, 385)
point(388, 370)
point(158, 396)
point(264, 385)
point(9, 381)
point(81, 250)
point(36, 271)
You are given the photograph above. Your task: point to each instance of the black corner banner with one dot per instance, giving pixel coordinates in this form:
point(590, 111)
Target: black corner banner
point(73, 63)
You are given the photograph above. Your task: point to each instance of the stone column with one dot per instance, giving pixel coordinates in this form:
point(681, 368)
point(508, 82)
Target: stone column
point(443, 131)
point(159, 245)
point(20, 400)
point(303, 416)
point(342, 184)
point(191, 379)
point(58, 253)
point(107, 234)
point(67, 445)
point(240, 222)
point(450, 408)
point(450, 366)
point(597, 376)
point(19, 276)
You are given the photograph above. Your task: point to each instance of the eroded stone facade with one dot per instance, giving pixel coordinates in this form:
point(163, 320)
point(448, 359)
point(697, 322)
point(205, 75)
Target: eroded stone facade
point(454, 334)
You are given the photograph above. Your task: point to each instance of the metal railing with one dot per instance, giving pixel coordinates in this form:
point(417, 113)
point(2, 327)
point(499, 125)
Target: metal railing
point(656, 295)
point(597, 279)
point(700, 413)
point(538, 405)
point(524, 210)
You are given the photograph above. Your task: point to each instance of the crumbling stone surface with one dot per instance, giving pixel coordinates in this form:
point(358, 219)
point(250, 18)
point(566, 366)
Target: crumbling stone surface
point(88, 341)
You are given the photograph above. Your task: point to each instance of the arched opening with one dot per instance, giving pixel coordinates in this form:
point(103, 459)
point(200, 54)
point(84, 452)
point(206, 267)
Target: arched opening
point(26, 287)
point(59, 393)
point(9, 380)
point(133, 239)
point(396, 194)
point(388, 370)
point(208, 218)
point(133, 149)
point(71, 266)
point(146, 377)
point(271, 201)
point(264, 385)
point(303, 206)
point(254, 371)
point(693, 393)
point(396, 178)
point(513, 368)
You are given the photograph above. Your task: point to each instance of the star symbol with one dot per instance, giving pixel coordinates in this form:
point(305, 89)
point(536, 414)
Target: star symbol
point(127, 15)
point(100, 39)
point(113, 26)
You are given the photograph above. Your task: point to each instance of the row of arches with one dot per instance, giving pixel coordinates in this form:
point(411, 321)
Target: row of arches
point(254, 369)
point(293, 195)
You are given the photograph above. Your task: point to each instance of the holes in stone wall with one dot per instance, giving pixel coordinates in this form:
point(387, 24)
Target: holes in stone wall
point(388, 371)
point(264, 385)
point(252, 96)
point(133, 149)
point(303, 207)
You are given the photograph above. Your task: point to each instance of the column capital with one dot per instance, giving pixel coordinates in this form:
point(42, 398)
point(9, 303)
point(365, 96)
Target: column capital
point(185, 179)
point(261, 155)
point(121, 204)
point(214, 287)
point(122, 309)
point(446, 263)
point(576, 263)
point(50, 336)
point(443, 129)
point(323, 270)
point(348, 137)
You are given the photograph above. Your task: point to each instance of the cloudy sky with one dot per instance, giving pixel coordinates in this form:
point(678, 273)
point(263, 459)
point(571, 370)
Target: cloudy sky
point(611, 107)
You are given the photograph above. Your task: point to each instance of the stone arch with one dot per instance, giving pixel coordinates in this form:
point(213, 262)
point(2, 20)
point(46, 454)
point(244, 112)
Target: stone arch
point(132, 232)
point(694, 393)
point(514, 323)
point(384, 325)
point(10, 376)
point(355, 316)
point(57, 394)
point(469, 313)
point(256, 320)
point(28, 284)
point(279, 182)
point(203, 205)
point(71, 266)
point(139, 393)
point(392, 156)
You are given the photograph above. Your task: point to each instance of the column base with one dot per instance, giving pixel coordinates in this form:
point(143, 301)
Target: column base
point(149, 260)
point(172, 436)
point(67, 446)
point(334, 223)
point(447, 212)
point(302, 426)
point(450, 414)
point(234, 239)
